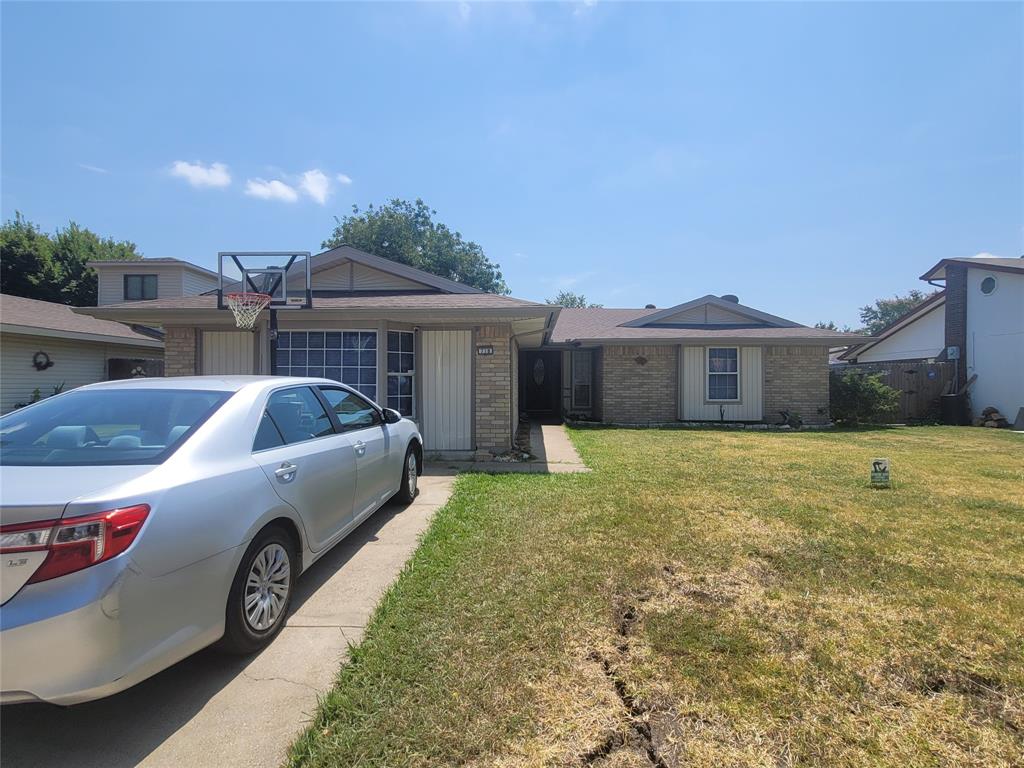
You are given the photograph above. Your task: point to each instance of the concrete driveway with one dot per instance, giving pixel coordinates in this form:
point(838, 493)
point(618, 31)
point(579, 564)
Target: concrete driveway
point(218, 710)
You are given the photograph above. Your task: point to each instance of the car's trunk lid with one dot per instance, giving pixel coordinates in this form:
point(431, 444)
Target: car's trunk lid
point(30, 494)
point(37, 494)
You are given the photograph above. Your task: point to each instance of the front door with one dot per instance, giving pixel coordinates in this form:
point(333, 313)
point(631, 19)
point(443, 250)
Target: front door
point(540, 382)
point(309, 465)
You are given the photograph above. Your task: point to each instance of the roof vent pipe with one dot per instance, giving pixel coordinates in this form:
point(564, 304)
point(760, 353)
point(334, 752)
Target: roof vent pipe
point(731, 297)
point(649, 306)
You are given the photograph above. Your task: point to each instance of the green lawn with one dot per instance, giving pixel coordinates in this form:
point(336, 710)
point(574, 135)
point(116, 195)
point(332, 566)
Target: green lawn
point(706, 598)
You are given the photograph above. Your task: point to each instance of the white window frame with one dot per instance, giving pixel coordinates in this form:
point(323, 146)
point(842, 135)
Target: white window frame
point(590, 378)
point(411, 375)
point(708, 373)
point(376, 351)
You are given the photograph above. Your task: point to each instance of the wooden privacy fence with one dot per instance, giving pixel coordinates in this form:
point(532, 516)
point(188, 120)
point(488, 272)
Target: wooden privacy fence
point(920, 383)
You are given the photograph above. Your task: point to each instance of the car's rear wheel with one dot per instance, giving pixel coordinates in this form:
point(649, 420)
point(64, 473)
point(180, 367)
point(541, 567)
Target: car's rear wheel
point(261, 592)
point(410, 477)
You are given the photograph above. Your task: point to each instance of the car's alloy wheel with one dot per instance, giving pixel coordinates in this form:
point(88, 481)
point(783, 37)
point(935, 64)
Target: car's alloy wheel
point(410, 473)
point(267, 587)
point(261, 591)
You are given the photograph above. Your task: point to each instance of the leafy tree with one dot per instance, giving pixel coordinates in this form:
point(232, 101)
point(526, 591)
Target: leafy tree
point(26, 256)
point(54, 267)
point(406, 232)
point(831, 326)
point(884, 311)
point(572, 300)
point(73, 248)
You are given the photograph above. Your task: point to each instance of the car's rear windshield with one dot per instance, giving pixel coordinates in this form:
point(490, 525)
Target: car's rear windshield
point(105, 426)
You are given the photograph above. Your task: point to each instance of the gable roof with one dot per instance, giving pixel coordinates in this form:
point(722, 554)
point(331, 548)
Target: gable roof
point(756, 316)
point(600, 325)
point(343, 253)
point(34, 317)
point(997, 263)
point(935, 301)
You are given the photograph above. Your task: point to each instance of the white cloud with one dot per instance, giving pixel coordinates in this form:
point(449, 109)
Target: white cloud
point(199, 175)
point(271, 190)
point(344, 179)
point(93, 168)
point(316, 184)
point(581, 8)
point(984, 255)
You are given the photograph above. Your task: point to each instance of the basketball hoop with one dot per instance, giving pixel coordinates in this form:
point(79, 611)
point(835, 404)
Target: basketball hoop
point(246, 307)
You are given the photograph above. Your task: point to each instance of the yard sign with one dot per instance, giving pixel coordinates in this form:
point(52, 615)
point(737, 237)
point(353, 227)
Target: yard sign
point(880, 473)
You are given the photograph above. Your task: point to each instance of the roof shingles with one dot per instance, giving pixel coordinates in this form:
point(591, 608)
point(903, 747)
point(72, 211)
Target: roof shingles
point(31, 313)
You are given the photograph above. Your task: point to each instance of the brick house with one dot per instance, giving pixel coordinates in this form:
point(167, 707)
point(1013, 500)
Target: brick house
point(464, 364)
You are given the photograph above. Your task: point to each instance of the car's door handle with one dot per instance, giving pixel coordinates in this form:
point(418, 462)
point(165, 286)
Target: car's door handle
point(286, 472)
point(360, 447)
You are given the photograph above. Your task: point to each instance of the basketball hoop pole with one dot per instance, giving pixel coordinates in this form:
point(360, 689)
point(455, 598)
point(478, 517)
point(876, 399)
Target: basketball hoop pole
point(273, 342)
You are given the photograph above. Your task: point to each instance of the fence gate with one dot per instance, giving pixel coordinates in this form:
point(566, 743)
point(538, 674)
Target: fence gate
point(920, 383)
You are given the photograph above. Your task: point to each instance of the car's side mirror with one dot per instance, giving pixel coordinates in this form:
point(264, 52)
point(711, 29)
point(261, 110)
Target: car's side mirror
point(391, 416)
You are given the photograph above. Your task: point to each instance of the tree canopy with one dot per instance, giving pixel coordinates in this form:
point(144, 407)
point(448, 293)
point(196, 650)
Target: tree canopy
point(884, 311)
point(406, 232)
point(36, 265)
point(572, 300)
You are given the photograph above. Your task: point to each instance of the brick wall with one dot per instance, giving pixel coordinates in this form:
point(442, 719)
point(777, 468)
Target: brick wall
point(179, 351)
point(639, 384)
point(493, 390)
point(796, 380)
point(956, 315)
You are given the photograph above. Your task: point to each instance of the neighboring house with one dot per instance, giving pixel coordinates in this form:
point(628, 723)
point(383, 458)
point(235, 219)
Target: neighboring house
point(463, 362)
point(45, 345)
point(979, 313)
point(146, 279)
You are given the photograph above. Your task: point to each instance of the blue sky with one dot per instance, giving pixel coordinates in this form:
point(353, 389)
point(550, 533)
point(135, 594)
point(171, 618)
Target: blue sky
point(807, 157)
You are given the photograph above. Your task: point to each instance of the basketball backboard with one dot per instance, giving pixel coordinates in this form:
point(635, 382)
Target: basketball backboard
point(283, 275)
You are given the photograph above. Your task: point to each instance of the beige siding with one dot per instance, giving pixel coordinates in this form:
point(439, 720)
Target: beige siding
point(694, 405)
point(75, 362)
point(446, 371)
point(194, 283)
point(706, 313)
point(110, 280)
point(228, 352)
point(359, 277)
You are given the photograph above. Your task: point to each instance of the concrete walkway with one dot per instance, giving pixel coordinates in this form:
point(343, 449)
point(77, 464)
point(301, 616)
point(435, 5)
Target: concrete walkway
point(553, 454)
point(224, 711)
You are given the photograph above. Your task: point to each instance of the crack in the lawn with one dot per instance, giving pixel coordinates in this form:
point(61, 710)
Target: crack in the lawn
point(628, 617)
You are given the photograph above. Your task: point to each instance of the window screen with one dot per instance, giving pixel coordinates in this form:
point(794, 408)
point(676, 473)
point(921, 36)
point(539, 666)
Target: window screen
point(723, 373)
point(140, 287)
point(401, 368)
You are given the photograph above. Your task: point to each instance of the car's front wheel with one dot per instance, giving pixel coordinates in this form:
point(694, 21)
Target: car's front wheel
point(410, 477)
point(261, 592)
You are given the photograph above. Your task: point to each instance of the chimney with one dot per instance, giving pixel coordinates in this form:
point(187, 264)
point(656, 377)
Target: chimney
point(731, 297)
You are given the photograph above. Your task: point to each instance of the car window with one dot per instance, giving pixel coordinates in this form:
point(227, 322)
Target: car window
point(352, 410)
point(105, 426)
point(267, 435)
point(298, 415)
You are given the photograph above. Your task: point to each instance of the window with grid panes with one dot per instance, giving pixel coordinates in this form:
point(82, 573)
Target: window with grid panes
point(346, 356)
point(401, 370)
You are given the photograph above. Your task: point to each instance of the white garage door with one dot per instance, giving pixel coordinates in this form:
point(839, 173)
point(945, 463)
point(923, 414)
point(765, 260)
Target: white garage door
point(227, 352)
point(446, 369)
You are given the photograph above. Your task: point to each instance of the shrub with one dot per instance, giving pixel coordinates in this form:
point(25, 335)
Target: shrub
point(857, 398)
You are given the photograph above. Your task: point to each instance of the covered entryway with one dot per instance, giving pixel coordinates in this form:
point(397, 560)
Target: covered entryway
point(540, 382)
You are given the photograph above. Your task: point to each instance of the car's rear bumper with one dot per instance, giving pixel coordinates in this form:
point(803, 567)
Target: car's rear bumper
point(105, 628)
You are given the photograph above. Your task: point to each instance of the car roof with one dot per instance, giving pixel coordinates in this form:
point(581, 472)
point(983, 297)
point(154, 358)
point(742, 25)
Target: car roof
point(208, 383)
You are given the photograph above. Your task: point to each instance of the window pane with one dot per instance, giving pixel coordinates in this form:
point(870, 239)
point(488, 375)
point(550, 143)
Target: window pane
point(350, 340)
point(315, 340)
point(298, 357)
point(368, 358)
point(332, 357)
point(149, 284)
point(315, 357)
point(284, 340)
point(722, 360)
point(333, 373)
point(353, 411)
point(267, 436)
point(370, 392)
point(723, 386)
point(581, 395)
point(368, 340)
point(333, 340)
point(298, 415)
point(394, 343)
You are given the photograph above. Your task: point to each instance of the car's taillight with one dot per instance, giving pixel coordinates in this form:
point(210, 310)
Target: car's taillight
point(77, 542)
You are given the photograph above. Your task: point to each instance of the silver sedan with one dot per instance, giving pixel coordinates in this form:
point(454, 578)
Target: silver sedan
point(143, 520)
